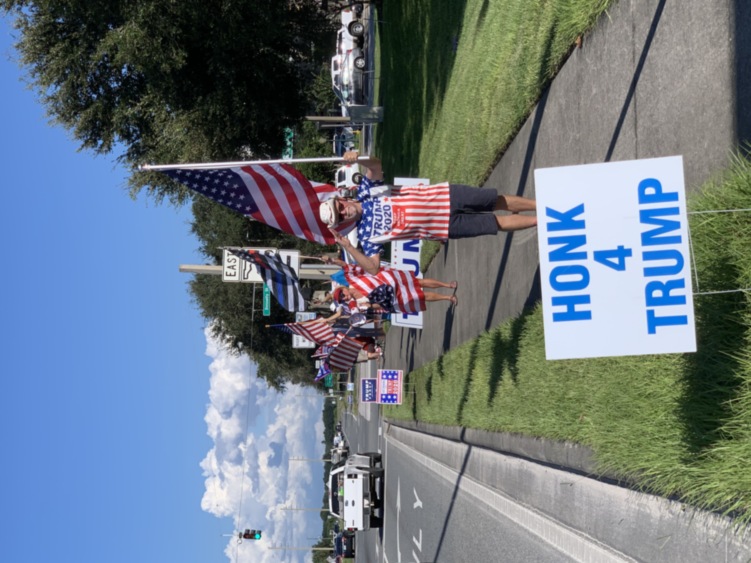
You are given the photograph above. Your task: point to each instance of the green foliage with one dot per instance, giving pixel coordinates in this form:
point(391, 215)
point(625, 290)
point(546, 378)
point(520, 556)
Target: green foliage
point(229, 307)
point(315, 142)
point(172, 81)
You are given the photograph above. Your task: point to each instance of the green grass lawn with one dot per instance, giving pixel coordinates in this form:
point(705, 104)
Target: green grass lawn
point(457, 79)
point(673, 424)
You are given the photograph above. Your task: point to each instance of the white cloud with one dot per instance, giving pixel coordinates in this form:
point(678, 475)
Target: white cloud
point(256, 431)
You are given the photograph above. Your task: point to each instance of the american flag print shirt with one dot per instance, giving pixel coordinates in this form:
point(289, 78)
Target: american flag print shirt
point(405, 213)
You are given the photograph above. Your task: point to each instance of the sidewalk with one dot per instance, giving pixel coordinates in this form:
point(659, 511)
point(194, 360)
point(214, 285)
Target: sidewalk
point(655, 78)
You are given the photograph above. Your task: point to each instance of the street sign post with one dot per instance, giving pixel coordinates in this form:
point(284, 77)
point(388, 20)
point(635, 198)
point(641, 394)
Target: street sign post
point(266, 301)
point(240, 271)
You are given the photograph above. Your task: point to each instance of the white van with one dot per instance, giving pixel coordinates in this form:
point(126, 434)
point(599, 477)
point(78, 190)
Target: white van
point(347, 178)
point(356, 492)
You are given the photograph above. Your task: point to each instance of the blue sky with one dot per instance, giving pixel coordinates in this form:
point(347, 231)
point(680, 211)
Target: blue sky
point(123, 425)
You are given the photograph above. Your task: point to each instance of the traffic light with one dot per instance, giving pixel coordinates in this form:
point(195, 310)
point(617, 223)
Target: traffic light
point(251, 534)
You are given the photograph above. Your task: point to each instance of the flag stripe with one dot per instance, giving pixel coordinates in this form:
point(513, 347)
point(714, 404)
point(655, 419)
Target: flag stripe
point(344, 355)
point(409, 296)
point(275, 194)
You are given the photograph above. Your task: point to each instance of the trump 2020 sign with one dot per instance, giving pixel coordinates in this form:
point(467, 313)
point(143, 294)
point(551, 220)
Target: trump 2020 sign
point(614, 259)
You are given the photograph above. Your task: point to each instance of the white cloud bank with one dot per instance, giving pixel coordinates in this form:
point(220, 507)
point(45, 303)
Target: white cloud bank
point(256, 431)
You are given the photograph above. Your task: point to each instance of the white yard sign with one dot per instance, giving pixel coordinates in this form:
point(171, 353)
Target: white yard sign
point(614, 259)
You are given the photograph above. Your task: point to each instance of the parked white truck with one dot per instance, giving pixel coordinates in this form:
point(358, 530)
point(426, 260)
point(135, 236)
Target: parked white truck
point(356, 491)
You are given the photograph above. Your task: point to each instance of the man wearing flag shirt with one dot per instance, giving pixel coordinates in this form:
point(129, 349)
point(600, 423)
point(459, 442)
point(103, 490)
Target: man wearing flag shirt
point(438, 212)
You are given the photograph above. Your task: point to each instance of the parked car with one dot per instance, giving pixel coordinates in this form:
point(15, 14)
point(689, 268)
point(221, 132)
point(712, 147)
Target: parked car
point(346, 80)
point(353, 11)
point(344, 544)
point(351, 23)
point(347, 178)
point(349, 61)
point(345, 41)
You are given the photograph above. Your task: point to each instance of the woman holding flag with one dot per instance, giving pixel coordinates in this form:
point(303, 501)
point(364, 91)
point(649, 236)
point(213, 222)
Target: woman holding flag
point(395, 291)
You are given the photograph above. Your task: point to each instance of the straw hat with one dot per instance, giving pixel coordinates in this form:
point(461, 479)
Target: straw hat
point(329, 212)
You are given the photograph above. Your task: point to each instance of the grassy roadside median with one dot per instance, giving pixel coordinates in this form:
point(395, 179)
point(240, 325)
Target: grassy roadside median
point(676, 425)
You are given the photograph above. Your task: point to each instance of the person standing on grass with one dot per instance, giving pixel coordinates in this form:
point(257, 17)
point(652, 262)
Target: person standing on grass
point(439, 212)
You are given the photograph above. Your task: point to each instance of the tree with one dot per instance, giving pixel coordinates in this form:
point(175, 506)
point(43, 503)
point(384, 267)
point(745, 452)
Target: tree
point(171, 81)
point(163, 81)
point(230, 306)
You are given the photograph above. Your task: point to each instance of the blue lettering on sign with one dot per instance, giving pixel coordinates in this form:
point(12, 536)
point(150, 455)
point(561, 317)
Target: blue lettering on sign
point(412, 246)
point(567, 277)
point(668, 292)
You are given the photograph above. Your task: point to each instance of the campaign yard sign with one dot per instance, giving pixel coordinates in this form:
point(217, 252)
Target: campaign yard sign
point(389, 382)
point(614, 259)
point(368, 390)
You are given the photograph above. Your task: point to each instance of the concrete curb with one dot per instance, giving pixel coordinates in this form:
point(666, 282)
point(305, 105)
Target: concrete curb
point(567, 456)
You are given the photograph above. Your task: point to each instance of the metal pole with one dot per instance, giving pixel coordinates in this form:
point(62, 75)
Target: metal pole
point(239, 163)
point(201, 269)
point(303, 548)
point(307, 271)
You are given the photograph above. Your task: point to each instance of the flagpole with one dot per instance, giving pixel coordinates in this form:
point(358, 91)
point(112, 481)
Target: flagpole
point(205, 165)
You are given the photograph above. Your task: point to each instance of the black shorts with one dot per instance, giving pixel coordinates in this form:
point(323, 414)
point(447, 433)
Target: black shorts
point(472, 211)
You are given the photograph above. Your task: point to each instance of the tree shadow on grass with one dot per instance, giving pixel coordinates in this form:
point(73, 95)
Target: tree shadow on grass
point(713, 379)
point(436, 370)
point(417, 42)
point(505, 353)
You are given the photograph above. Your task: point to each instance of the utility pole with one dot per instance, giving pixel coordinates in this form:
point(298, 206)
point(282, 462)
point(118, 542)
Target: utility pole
point(305, 509)
point(303, 548)
point(307, 271)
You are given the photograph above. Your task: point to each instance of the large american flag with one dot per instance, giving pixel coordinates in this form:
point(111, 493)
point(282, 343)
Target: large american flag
point(274, 194)
point(278, 276)
point(408, 294)
point(344, 354)
point(316, 331)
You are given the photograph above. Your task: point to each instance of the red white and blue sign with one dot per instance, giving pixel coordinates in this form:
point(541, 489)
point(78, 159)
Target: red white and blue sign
point(390, 386)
